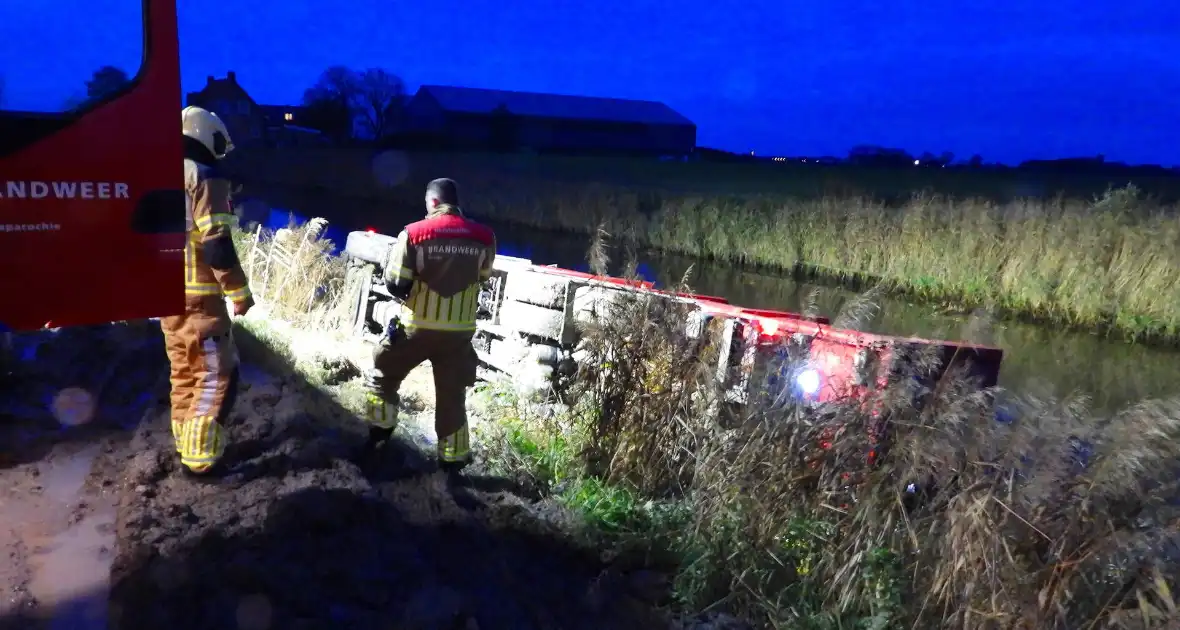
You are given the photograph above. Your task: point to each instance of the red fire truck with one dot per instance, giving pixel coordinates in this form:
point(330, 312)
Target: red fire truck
point(91, 199)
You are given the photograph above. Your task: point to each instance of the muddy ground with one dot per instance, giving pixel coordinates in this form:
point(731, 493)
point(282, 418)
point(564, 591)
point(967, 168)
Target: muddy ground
point(294, 535)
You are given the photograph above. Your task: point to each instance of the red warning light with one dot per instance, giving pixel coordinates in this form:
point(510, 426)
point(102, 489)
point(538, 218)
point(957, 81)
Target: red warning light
point(371, 230)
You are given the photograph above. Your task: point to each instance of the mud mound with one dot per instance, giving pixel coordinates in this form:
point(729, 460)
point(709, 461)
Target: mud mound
point(295, 536)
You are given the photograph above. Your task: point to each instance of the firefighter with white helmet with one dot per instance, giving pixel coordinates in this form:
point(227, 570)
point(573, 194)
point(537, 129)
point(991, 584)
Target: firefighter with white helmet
point(199, 343)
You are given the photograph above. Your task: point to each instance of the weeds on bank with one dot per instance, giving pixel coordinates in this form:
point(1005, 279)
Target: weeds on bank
point(294, 272)
point(1056, 519)
point(298, 284)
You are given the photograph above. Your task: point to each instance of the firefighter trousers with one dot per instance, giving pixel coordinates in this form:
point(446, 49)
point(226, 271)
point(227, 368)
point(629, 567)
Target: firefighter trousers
point(453, 362)
point(204, 380)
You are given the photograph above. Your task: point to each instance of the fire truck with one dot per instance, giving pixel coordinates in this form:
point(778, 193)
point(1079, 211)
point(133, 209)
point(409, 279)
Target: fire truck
point(92, 200)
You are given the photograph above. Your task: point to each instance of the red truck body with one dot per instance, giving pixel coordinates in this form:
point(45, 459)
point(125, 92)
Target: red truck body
point(92, 215)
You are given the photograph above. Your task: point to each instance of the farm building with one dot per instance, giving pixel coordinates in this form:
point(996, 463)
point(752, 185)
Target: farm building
point(547, 123)
point(230, 101)
point(251, 123)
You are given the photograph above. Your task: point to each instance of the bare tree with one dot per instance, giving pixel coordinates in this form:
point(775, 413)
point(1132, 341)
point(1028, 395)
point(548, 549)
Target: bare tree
point(372, 100)
point(379, 100)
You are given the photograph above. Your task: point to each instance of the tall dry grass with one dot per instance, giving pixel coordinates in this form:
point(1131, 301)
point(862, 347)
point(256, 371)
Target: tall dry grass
point(294, 272)
point(1058, 518)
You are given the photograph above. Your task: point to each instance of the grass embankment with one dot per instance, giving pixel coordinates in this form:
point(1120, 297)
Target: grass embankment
point(749, 516)
point(1112, 264)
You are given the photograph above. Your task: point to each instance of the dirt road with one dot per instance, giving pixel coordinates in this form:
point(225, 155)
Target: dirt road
point(294, 536)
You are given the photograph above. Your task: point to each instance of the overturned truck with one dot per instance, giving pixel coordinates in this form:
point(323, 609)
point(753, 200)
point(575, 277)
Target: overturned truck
point(530, 319)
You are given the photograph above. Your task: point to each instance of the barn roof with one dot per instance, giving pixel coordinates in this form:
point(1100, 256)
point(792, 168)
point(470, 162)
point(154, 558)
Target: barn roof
point(483, 101)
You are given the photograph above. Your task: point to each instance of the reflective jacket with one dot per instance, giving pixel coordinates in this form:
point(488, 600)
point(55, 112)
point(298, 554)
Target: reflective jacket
point(211, 267)
point(437, 266)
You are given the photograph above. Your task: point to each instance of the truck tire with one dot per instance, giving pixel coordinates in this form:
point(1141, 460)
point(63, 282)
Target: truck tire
point(357, 280)
point(538, 321)
point(537, 288)
point(596, 303)
point(370, 247)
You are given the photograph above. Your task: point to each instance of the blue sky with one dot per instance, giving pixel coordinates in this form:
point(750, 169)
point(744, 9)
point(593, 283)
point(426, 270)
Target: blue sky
point(1007, 79)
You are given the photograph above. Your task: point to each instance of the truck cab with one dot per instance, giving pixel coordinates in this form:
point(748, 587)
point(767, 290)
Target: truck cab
point(92, 216)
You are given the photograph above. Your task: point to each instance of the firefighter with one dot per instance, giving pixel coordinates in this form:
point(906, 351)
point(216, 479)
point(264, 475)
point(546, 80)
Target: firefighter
point(436, 267)
point(200, 347)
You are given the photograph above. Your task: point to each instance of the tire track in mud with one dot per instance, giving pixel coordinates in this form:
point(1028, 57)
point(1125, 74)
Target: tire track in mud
point(296, 536)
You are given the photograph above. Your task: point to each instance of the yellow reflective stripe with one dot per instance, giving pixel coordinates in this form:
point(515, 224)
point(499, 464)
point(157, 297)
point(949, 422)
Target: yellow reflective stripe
point(379, 413)
point(205, 223)
point(203, 443)
point(434, 306)
point(177, 434)
point(202, 288)
point(400, 273)
point(414, 302)
point(431, 310)
point(470, 304)
point(237, 295)
point(427, 325)
point(455, 447)
point(190, 262)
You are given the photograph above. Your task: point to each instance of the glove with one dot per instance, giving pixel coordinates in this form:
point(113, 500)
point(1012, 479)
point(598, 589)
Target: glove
point(243, 306)
point(394, 331)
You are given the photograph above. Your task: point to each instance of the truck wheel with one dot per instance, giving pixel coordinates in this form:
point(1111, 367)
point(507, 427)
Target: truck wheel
point(537, 288)
point(539, 321)
point(370, 247)
point(356, 297)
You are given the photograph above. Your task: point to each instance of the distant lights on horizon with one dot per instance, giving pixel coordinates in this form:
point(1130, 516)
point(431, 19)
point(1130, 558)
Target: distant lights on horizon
point(806, 160)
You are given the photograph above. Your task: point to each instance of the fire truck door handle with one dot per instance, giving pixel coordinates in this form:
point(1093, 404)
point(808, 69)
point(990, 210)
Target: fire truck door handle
point(159, 212)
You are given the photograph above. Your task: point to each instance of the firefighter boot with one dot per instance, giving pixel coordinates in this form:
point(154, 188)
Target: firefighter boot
point(202, 444)
point(381, 416)
point(454, 451)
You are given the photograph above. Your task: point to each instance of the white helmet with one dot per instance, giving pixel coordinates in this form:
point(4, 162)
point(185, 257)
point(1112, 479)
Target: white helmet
point(205, 127)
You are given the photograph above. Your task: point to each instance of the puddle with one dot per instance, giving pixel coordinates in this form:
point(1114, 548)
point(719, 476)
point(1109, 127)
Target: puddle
point(67, 566)
point(63, 478)
point(71, 573)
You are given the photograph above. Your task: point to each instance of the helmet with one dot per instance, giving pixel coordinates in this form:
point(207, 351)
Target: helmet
point(205, 127)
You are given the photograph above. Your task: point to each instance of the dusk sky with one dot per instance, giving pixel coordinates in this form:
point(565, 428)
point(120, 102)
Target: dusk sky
point(1007, 79)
